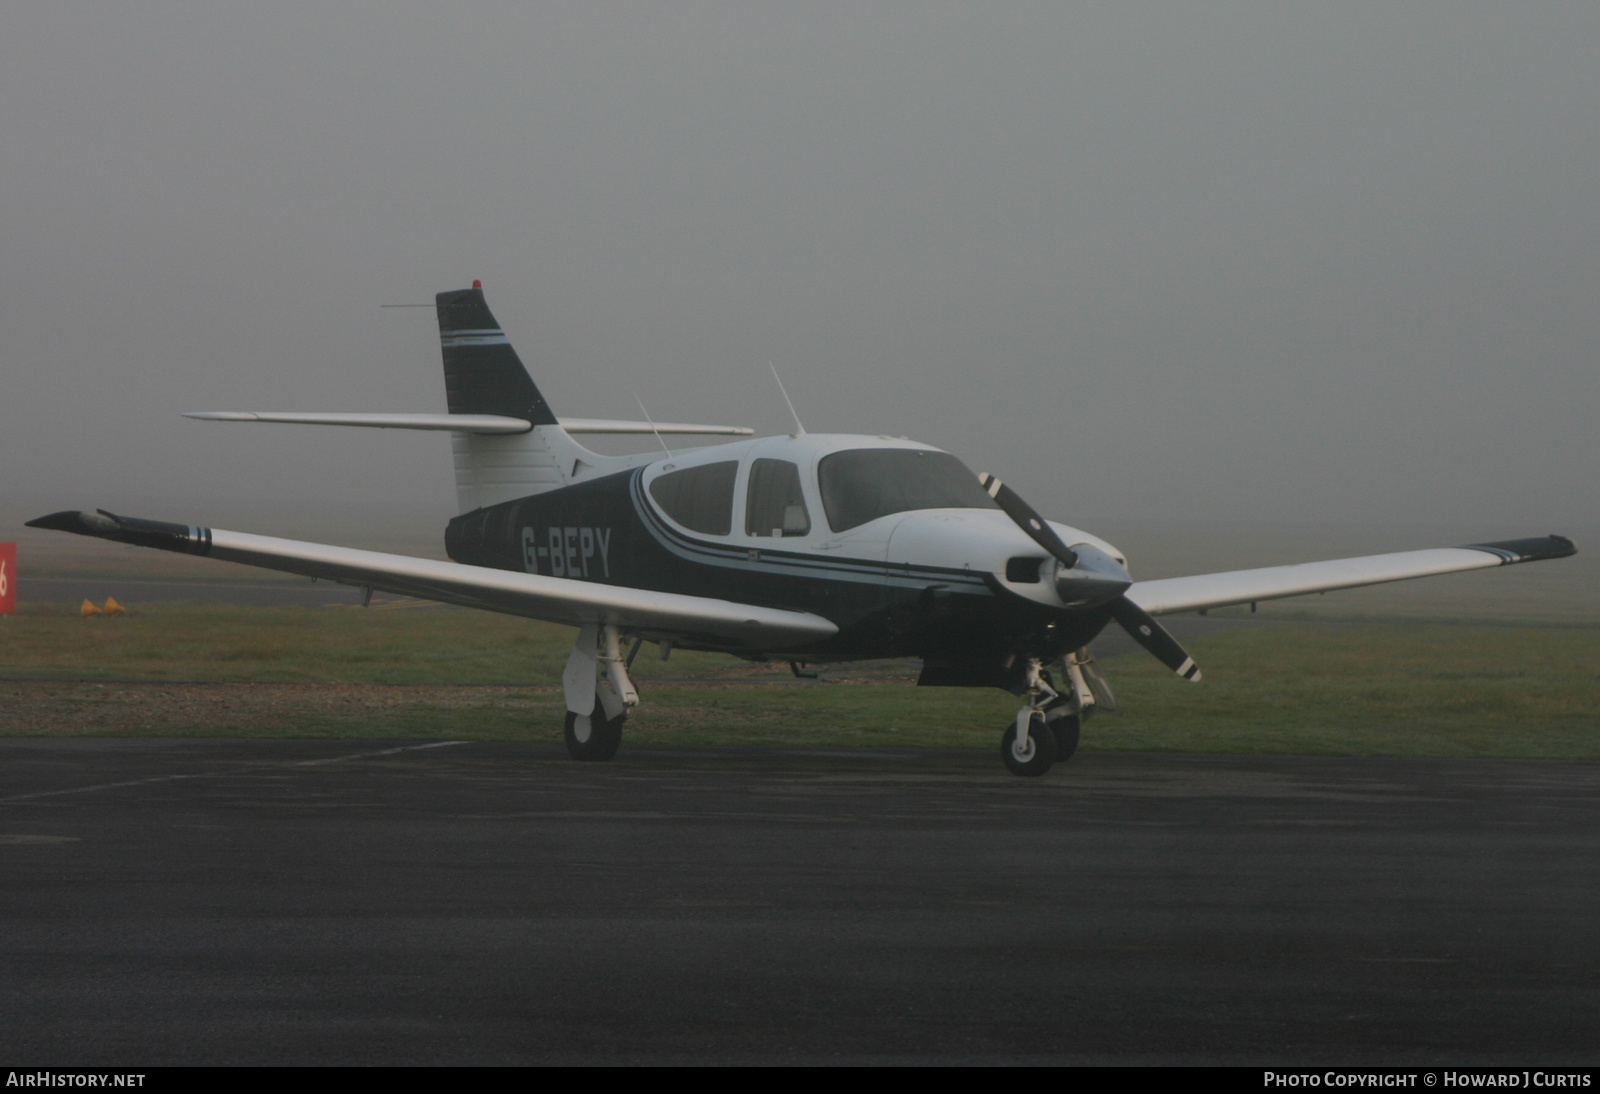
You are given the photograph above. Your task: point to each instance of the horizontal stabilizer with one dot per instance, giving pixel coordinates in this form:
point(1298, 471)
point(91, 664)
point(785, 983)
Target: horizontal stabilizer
point(454, 423)
point(558, 599)
point(612, 425)
point(467, 423)
point(1188, 594)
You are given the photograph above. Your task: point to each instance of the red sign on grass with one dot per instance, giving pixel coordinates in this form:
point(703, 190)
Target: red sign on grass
point(8, 577)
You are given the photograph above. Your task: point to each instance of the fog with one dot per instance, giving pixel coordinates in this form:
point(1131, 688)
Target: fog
point(1326, 263)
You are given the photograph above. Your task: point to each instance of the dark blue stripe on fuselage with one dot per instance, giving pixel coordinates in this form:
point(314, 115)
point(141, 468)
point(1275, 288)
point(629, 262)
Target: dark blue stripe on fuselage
point(607, 531)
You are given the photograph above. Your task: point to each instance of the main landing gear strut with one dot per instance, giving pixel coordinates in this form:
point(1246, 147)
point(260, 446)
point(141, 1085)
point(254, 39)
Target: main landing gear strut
point(1047, 728)
point(597, 709)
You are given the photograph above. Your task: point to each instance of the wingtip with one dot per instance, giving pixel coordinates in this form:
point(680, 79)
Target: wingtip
point(190, 539)
point(1538, 549)
point(64, 521)
point(98, 523)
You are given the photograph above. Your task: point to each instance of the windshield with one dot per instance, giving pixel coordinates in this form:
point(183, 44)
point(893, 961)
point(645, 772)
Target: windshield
point(867, 483)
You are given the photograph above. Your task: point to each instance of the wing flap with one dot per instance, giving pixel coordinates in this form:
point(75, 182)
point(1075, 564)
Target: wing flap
point(1186, 594)
point(558, 599)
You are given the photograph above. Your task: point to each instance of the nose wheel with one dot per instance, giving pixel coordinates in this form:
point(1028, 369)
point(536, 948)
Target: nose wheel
point(1066, 730)
point(1046, 730)
point(1031, 753)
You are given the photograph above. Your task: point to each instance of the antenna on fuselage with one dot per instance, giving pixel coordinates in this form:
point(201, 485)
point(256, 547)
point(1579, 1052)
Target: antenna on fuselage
point(799, 430)
point(653, 428)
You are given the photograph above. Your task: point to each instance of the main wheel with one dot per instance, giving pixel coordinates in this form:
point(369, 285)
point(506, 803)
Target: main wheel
point(1037, 757)
point(1066, 728)
point(593, 736)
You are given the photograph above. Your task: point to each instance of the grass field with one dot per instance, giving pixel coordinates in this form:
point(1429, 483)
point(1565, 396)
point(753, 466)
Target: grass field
point(415, 671)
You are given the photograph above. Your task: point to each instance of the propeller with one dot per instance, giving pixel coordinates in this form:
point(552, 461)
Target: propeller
point(1140, 624)
point(1027, 519)
point(1143, 629)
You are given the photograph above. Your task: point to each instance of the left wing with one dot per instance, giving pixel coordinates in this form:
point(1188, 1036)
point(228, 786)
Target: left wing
point(1187, 594)
point(558, 599)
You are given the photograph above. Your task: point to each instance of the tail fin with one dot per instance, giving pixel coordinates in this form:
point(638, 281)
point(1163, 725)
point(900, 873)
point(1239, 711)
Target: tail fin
point(482, 373)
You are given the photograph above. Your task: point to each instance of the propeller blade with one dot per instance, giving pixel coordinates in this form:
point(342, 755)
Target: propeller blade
point(1028, 520)
point(1143, 629)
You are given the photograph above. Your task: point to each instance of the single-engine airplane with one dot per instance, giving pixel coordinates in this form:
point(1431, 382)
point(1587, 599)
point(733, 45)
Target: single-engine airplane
point(806, 548)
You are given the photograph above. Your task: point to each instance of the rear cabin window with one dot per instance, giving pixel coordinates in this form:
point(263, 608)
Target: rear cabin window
point(699, 498)
point(867, 483)
point(774, 504)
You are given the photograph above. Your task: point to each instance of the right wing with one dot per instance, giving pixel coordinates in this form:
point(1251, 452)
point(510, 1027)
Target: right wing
point(558, 599)
point(1187, 594)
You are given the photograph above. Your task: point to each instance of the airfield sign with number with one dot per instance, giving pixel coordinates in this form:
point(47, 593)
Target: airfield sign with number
point(8, 577)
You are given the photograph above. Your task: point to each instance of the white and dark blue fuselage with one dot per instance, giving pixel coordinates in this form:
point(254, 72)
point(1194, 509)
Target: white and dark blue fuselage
point(891, 540)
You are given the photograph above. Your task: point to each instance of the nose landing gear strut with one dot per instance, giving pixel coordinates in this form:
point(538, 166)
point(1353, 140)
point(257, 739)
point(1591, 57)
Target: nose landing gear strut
point(1029, 745)
point(1046, 729)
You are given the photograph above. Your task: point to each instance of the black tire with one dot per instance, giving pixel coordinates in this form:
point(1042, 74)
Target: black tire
point(593, 736)
point(1041, 749)
point(1066, 729)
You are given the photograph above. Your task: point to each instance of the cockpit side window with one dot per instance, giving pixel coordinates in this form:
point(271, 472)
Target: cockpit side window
point(699, 498)
point(774, 504)
point(863, 484)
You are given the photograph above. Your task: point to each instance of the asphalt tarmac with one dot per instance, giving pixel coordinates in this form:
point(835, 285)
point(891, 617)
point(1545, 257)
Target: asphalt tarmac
point(181, 901)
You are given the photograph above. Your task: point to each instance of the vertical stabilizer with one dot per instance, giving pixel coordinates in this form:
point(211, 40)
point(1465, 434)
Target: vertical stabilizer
point(484, 375)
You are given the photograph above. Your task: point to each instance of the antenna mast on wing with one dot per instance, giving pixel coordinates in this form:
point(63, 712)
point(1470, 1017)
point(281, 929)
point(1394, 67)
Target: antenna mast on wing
point(653, 428)
point(799, 430)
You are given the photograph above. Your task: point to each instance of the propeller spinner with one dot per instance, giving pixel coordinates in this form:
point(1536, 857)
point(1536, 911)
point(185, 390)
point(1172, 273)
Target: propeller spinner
point(1085, 571)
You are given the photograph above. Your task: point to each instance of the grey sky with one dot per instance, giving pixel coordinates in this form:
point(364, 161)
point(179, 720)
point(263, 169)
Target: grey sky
point(1332, 262)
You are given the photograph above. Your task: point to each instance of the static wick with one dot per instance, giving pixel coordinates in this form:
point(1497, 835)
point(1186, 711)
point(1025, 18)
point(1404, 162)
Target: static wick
point(799, 430)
